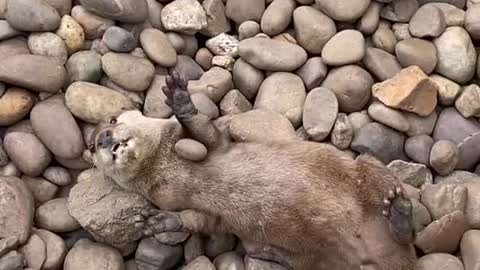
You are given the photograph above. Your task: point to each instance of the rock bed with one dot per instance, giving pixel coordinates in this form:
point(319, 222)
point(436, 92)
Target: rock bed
point(396, 78)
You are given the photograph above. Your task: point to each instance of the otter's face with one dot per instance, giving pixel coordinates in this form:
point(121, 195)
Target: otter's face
point(121, 143)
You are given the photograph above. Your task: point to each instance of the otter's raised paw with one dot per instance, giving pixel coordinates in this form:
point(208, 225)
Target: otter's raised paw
point(159, 221)
point(178, 97)
point(399, 213)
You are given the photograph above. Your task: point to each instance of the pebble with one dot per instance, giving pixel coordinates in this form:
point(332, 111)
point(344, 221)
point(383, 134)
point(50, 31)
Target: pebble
point(468, 152)
point(204, 58)
point(418, 148)
point(313, 28)
point(240, 11)
point(42, 190)
point(442, 235)
point(32, 15)
point(10, 170)
point(200, 263)
point(248, 29)
point(94, 26)
point(444, 199)
point(472, 22)
point(151, 254)
point(223, 61)
point(400, 30)
point(411, 173)
point(119, 40)
point(84, 66)
point(48, 44)
point(384, 39)
point(86, 254)
point(54, 216)
point(456, 3)
point(468, 103)
point(177, 42)
point(359, 119)
point(187, 68)
point(126, 11)
point(185, 16)
point(439, 260)
point(313, 72)
point(72, 33)
point(234, 102)
point(205, 105)
point(214, 83)
point(454, 16)
point(56, 127)
point(456, 55)
point(399, 10)
point(389, 117)
point(155, 100)
point(8, 244)
point(55, 249)
point(410, 90)
point(284, 93)
point(370, 19)
point(16, 209)
point(7, 31)
point(129, 72)
point(217, 21)
point(320, 113)
point(12, 261)
point(229, 261)
point(381, 141)
point(451, 125)
point(15, 104)
point(158, 47)
point(27, 152)
point(257, 125)
point(342, 11)
point(34, 252)
point(428, 21)
point(342, 132)
point(351, 85)
point(345, 47)
point(419, 52)
point(13, 46)
point(223, 44)
point(421, 216)
point(271, 55)
point(469, 249)
point(381, 64)
point(277, 17)
point(34, 72)
point(247, 78)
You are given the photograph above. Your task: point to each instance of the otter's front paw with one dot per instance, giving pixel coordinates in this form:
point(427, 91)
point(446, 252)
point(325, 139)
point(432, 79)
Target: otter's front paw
point(399, 213)
point(158, 221)
point(178, 97)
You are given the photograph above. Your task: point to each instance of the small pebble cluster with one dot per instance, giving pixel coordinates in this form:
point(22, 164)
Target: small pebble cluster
point(395, 78)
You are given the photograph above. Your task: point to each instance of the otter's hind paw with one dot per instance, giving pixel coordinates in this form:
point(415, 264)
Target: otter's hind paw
point(158, 221)
point(399, 213)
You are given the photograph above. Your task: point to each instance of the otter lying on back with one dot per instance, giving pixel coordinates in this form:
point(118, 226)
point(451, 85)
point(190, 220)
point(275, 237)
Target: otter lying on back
point(305, 205)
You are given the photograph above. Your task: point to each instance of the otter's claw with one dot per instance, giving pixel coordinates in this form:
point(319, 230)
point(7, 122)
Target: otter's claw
point(399, 213)
point(161, 221)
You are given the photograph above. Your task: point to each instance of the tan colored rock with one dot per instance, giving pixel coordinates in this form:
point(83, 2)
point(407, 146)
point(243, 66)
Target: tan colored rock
point(470, 249)
point(72, 33)
point(14, 105)
point(441, 200)
point(410, 90)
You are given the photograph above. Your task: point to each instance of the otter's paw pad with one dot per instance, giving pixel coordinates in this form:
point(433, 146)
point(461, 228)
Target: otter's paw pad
point(161, 221)
point(399, 213)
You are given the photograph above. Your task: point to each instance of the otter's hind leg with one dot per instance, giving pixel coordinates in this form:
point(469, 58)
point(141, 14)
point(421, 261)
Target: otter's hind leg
point(400, 216)
point(197, 124)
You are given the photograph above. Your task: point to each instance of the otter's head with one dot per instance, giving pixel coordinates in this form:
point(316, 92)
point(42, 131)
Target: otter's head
point(121, 143)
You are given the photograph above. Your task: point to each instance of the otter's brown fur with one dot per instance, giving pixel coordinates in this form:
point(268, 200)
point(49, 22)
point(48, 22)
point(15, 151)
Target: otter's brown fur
point(319, 207)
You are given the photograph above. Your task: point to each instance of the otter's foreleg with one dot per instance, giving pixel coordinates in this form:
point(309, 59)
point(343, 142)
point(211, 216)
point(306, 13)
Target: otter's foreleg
point(199, 125)
point(400, 215)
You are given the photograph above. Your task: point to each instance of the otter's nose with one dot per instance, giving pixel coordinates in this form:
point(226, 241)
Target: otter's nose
point(104, 139)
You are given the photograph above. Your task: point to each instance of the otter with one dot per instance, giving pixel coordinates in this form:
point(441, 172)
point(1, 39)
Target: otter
point(305, 205)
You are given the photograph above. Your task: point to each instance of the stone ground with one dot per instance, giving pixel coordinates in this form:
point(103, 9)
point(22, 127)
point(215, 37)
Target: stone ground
point(396, 78)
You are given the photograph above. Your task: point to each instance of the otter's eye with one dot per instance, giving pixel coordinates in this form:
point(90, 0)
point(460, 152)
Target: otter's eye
point(91, 148)
point(112, 120)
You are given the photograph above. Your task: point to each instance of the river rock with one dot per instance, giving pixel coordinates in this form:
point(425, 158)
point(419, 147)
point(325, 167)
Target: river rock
point(86, 254)
point(411, 173)
point(448, 90)
point(257, 125)
point(284, 93)
point(217, 22)
point(41, 189)
point(151, 254)
point(381, 141)
point(187, 68)
point(32, 15)
point(198, 263)
point(214, 83)
point(421, 216)
point(186, 16)
point(16, 209)
point(72, 33)
point(281, 56)
point(384, 38)
point(451, 125)
point(341, 11)
point(119, 40)
point(248, 29)
point(468, 103)
point(57, 175)
point(419, 52)
point(34, 72)
point(27, 152)
point(382, 64)
point(13, 260)
point(234, 103)
point(84, 66)
point(7, 31)
point(428, 21)
point(158, 48)
point(468, 152)
point(55, 249)
point(13, 46)
point(399, 10)
point(56, 127)
point(155, 100)
point(130, 72)
point(54, 216)
point(388, 116)
point(342, 132)
point(34, 252)
point(277, 17)
point(443, 199)
point(48, 44)
point(472, 22)
point(223, 44)
point(93, 25)
point(312, 72)
point(469, 248)
point(126, 11)
point(346, 47)
point(240, 11)
point(456, 55)
point(247, 78)
point(418, 148)
point(15, 104)
point(369, 20)
point(313, 28)
point(191, 150)
point(404, 90)
point(351, 84)
point(93, 103)
point(319, 113)
point(438, 260)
